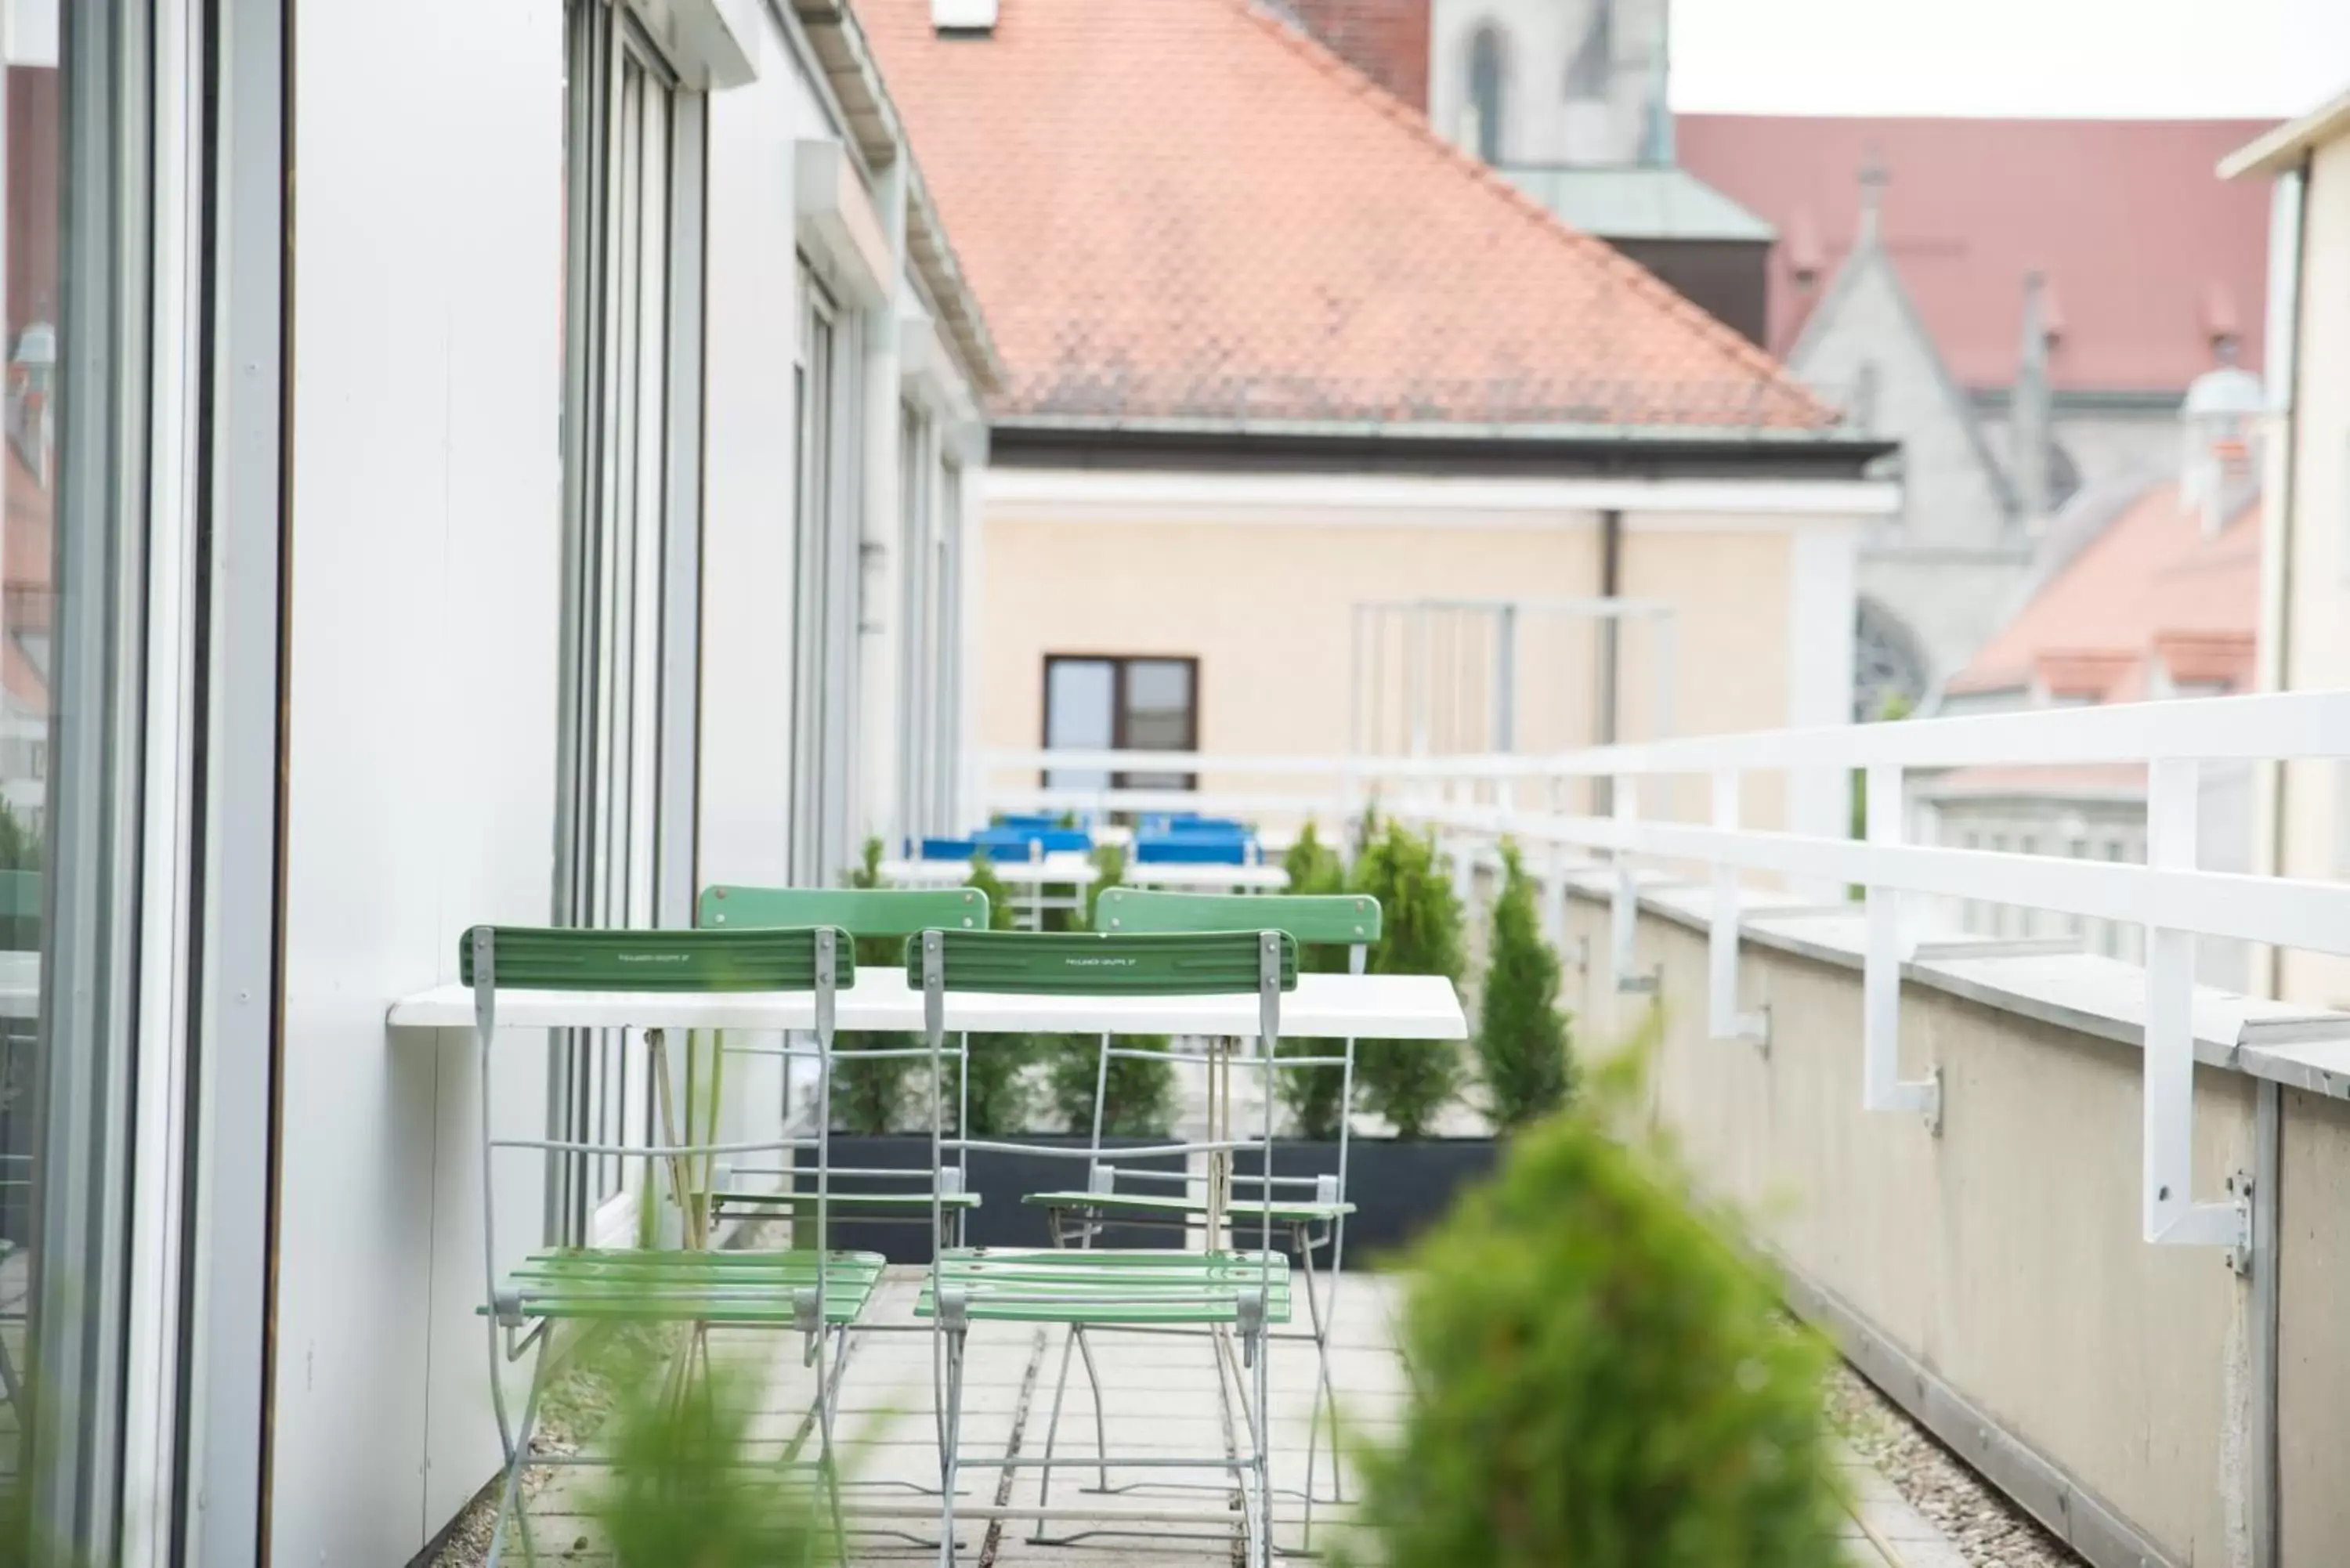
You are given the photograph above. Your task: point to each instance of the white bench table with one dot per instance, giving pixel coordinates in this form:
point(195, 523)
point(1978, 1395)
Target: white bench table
point(1323, 1007)
point(1025, 881)
point(1185, 877)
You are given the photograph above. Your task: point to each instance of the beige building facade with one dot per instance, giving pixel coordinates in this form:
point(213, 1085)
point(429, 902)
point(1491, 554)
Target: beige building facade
point(1253, 580)
point(2305, 825)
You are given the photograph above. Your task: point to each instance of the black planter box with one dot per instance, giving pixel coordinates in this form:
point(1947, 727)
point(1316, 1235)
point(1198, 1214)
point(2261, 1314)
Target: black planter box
point(1001, 1181)
point(1399, 1188)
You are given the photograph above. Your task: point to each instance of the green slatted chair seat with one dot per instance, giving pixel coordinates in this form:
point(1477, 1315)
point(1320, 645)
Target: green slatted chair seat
point(1017, 1284)
point(869, 1202)
point(1241, 1210)
point(728, 1287)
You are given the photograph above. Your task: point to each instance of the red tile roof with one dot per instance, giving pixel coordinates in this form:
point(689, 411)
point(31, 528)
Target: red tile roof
point(2152, 589)
point(1188, 209)
point(2150, 251)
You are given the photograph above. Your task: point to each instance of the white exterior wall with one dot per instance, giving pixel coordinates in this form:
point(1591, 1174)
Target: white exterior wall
point(2310, 611)
point(426, 582)
point(421, 708)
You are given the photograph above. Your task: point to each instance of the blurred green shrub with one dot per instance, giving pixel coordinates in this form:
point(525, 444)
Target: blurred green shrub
point(682, 1491)
point(1601, 1377)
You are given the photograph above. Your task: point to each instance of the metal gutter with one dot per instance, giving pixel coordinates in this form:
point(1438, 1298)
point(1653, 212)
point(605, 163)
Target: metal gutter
point(849, 71)
point(1362, 447)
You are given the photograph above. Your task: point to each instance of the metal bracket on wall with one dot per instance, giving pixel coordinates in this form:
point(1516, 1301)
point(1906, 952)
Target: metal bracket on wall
point(2173, 1217)
point(1724, 1021)
point(2238, 1257)
point(1889, 947)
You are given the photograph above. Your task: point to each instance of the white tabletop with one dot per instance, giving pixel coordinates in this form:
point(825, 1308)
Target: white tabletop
point(1323, 1007)
point(1054, 870)
point(20, 984)
point(1260, 878)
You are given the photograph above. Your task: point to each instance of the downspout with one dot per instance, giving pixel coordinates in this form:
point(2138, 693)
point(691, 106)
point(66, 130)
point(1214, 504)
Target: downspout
point(2290, 459)
point(1611, 587)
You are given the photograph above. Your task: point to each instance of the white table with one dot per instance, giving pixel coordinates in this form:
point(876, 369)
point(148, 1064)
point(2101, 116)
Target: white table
point(1190, 879)
point(1025, 881)
point(1323, 1007)
point(20, 985)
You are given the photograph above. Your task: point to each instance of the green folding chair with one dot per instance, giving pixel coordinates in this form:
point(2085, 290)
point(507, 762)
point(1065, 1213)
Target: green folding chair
point(1310, 1210)
point(1238, 1297)
point(815, 1293)
point(864, 913)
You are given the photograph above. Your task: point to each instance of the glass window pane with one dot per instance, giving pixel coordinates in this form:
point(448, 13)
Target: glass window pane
point(1080, 714)
point(1158, 705)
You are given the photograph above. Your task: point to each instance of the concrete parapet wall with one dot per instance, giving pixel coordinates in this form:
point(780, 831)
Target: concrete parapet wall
point(1991, 1275)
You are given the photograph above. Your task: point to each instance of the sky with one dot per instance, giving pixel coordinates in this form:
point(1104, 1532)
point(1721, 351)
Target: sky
point(2102, 58)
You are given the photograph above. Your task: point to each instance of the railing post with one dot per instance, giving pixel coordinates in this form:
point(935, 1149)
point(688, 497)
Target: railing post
point(2172, 1215)
point(1725, 1022)
point(1882, 1088)
point(1555, 895)
point(1624, 912)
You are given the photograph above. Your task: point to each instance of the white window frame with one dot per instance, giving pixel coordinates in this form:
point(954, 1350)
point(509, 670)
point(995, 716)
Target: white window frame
point(631, 423)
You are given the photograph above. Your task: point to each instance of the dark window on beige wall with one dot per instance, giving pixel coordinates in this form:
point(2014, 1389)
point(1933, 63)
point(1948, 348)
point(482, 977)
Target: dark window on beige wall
point(1110, 702)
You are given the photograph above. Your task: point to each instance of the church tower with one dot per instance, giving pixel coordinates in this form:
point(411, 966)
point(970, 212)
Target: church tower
point(1552, 83)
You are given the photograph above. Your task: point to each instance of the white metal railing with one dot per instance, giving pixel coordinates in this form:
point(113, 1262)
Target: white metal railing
point(1516, 796)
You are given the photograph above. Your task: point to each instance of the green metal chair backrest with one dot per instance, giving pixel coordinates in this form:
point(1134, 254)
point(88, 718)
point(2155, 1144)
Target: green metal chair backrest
point(529, 957)
point(859, 911)
point(1055, 964)
point(1334, 919)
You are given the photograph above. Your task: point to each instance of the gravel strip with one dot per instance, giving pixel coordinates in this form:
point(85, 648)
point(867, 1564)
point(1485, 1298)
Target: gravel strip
point(1988, 1529)
point(569, 1413)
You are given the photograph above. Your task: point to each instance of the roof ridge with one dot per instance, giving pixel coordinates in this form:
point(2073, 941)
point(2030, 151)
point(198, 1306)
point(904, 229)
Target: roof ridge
point(1631, 272)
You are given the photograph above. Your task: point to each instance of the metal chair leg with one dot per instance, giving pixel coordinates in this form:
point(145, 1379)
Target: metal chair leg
point(1053, 1431)
point(955, 1339)
point(519, 1460)
point(1101, 1423)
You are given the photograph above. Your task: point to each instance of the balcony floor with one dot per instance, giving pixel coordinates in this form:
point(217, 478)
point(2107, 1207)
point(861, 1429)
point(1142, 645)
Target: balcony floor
point(1166, 1398)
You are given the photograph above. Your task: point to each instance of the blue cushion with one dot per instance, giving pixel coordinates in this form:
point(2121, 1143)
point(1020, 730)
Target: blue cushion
point(1192, 849)
point(1011, 844)
point(947, 848)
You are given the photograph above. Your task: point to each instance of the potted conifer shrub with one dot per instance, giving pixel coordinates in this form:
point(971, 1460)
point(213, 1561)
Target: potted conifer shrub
point(1602, 1374)
point(1399, 1180)
point(1522, 1041)
point(881, 1109)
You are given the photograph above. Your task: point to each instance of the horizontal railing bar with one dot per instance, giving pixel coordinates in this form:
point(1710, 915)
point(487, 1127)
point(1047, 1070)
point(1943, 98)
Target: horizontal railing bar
point(1159, 762)
point(912, 1173)
point(1238, 1178)
point(1150, 800)
point(657, 1151)
point(2276, 726)
point(986, 1146)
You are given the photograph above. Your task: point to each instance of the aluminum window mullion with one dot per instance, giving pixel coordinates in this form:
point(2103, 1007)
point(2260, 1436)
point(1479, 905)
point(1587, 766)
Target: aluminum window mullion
point(92, 895)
